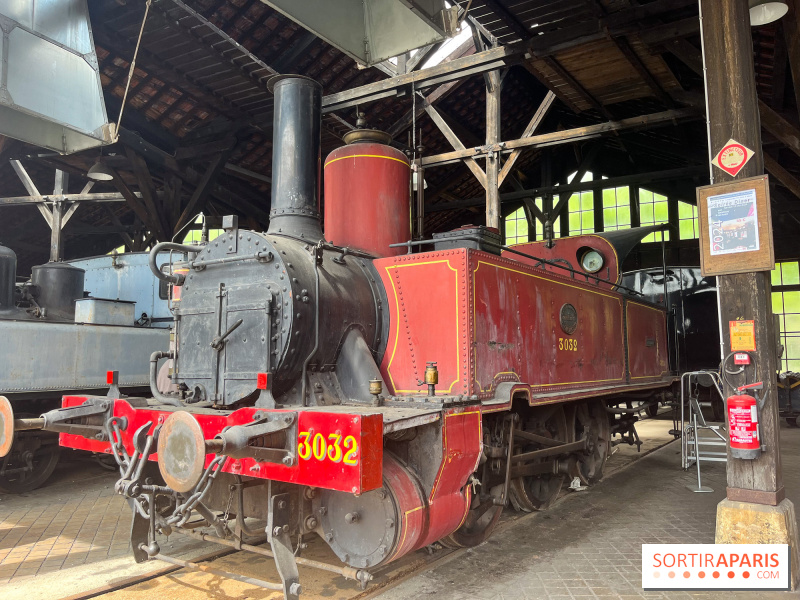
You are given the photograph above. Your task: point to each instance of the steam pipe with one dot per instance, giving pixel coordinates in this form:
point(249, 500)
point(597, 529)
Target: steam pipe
point(304, 383)
point(154, 358)
point(296, 157)
point(176, 278)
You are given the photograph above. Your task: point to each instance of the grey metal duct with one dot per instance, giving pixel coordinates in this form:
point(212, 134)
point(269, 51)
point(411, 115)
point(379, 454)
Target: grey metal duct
point(50, 91)
point(371, 31)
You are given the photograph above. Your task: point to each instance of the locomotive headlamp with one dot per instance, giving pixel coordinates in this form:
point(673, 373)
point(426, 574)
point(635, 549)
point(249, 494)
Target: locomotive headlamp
point(592, 261)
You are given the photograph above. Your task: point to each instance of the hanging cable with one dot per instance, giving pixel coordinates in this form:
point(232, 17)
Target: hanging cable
point(131, 70)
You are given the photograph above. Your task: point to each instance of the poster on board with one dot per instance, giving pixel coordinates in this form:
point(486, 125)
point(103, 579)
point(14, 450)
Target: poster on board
point(733, 223)
point(735, 227)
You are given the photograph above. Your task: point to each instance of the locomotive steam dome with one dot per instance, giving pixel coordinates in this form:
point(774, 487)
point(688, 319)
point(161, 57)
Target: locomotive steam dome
point(367, 204)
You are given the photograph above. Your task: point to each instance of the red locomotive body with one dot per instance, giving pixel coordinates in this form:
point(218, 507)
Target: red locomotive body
point(497, 320)
point(369, 179)
point(380, 401)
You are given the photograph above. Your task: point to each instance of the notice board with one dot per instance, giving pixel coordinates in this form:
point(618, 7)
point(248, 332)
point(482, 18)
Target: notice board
point(735, 227)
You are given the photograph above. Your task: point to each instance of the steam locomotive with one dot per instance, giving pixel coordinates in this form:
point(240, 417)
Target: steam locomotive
point(123, 321)
point(381, 398)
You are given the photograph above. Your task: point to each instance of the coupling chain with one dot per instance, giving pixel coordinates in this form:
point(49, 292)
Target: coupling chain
point(184, 510)
point(130, 484)
point(226, 514)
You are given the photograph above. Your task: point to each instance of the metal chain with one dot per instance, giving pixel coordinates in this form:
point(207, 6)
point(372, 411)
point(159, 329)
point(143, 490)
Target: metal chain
point(183, 511)
point(127, 465)
point(227, 512)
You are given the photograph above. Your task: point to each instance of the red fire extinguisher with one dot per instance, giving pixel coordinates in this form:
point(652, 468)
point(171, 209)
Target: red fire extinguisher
point(743, 422)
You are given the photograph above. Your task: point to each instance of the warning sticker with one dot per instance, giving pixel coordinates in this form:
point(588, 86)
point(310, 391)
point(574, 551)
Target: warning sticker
point(732, 157)
point(743, 336)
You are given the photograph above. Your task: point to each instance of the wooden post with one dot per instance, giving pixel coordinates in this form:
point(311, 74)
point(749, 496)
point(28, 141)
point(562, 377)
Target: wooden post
point(733, 113)
point(62, 181)
point(493, 87)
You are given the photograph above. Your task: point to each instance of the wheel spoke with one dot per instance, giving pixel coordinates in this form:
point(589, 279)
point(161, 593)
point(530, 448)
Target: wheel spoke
point(590, 422)
point(538, 492)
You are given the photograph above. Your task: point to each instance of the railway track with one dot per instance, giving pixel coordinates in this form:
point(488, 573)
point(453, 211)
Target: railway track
point(206, 580)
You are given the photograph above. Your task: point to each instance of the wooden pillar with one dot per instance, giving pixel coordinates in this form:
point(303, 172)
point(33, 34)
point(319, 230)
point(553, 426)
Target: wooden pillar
point(546, 166)
point(791, 32)
point(493, 87)
point(733, 113)
point(597, 200)
point(56, 243)
point(636, 216)
point(755, 510)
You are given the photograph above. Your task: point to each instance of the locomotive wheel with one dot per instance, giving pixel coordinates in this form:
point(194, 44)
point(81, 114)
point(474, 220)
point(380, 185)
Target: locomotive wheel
point(36, 449)
point(589, 420)
point(478, 525)
point(538, 492)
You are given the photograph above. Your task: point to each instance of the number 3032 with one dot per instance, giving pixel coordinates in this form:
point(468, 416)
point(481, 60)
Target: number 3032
point(333, 448)
point(568, 344)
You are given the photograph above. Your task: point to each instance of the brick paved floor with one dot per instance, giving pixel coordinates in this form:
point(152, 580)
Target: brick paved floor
point(589, 545)
point(75, 520)
point(57, 526)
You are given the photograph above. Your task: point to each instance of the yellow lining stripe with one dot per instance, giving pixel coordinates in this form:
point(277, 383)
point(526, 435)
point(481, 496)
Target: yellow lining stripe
point(405, 529)
point(444, 446)
point(397, 327)
point(662, 362)
point(551, 280)
point(368, 156)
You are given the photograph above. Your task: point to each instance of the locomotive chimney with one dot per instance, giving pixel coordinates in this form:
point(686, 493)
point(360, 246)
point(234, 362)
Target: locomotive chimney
point(296, 147)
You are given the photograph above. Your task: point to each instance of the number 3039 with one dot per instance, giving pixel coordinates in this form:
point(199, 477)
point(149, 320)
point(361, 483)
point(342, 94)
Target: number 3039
point(568, 344)
point(333, 448)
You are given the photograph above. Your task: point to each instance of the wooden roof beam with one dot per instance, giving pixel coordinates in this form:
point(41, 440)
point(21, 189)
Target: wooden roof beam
point(479, 62)
point(669, 117)
point(780, 62)
point(224, 38)
point(508, 18)
point(204, 186)
point(126, 238)
point(149, 62)
point(573, 83)
point(791, 34)
point(148, 189)
point(787, 133)
point(566, 190)
point(529, 130)
point(416, 61)
point(623, 22)
point(146, 217)
point(286, 62)
point(627, 50)
point(782, 175)
point(438, 94)
point(456, 143)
